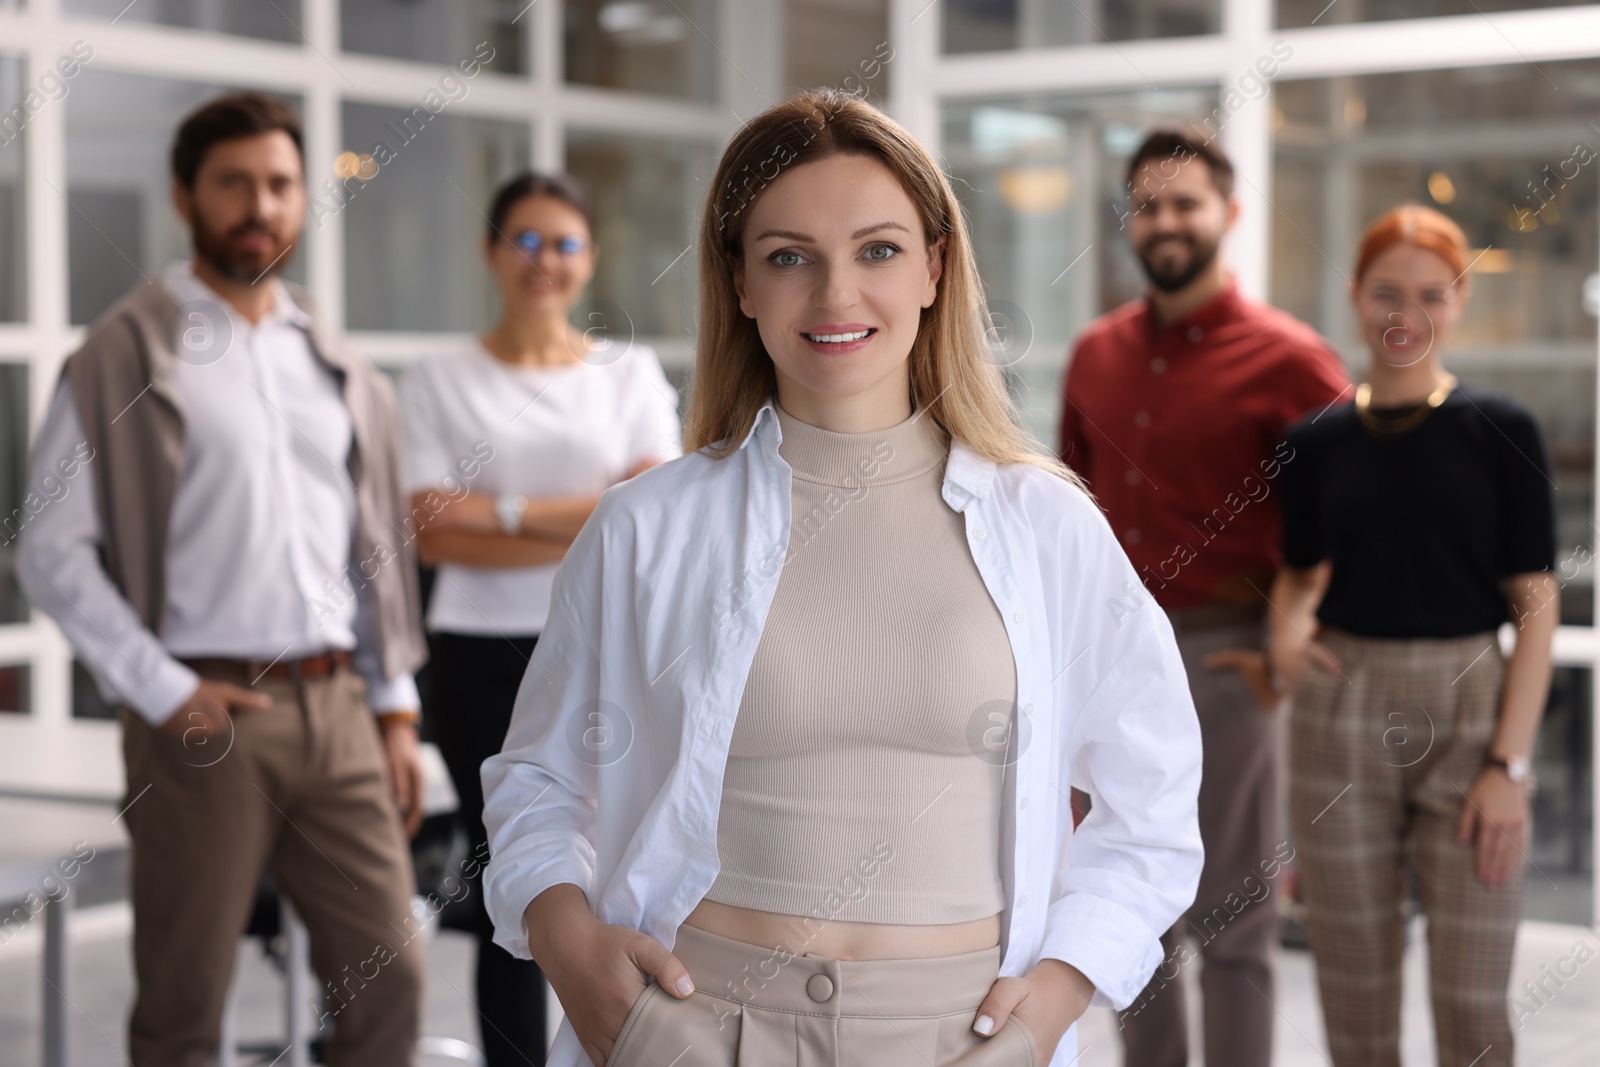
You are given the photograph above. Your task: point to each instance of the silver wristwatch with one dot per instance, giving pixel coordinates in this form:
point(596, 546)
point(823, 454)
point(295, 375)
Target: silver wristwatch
point(1517, 768)
point(508, 511)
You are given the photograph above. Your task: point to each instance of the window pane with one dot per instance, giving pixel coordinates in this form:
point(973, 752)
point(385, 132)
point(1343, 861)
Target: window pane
point(438, 31)
point(15, 685)
point(414, 228)
point(13, 477)
point(996, 25)
point(643, 46)
point(1042, 182)
point(1322, 13)
point(279, 20)
point(646, 202)
point(121, 226)
point(843, 46)
point(13, 139)
point(1507, 152)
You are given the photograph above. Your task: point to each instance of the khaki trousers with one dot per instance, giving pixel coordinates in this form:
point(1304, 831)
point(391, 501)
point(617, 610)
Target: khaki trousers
point(754, 1007)
point(1233, 923)
point(300, 789)
point(1382, 755)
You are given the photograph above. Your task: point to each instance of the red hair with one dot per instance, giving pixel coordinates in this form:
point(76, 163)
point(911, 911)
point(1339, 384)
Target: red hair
point(1417, 225)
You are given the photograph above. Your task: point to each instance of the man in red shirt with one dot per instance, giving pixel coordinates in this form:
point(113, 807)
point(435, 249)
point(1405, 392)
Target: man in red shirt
point(1175, 412)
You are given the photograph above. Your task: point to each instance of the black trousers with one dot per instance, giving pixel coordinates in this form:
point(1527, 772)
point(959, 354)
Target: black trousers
point(473, 683)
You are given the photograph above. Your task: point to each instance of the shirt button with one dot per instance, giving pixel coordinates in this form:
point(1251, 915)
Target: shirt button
point(1158, 366)
point(1196, 334)
point(819, 987)
point(1132, 477)
point(980, 533)
point(1133, 536)
point(1142, 419)
point(1023, 804)
point(1022, 902)
point(1021, 617)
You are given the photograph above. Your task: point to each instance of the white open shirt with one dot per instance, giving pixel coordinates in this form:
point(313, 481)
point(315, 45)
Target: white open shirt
point(611, 775)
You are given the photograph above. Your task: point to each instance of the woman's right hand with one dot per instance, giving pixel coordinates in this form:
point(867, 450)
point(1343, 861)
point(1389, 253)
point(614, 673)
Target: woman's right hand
point(1292, 650)
point(596, 969)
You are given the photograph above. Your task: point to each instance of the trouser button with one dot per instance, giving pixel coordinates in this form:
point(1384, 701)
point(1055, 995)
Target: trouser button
point(819, 987)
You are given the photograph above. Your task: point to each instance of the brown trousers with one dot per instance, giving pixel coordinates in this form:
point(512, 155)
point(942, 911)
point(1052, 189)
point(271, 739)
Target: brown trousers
point(753, 1007)
point(1233, 922)
point(301, 789)
point(1381, 756)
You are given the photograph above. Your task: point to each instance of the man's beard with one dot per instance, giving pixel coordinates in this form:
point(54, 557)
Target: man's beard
point(1170, 278)
point(246, 267)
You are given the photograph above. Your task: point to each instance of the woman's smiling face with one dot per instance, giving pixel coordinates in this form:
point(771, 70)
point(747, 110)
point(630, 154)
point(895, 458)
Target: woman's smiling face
point(836, 272)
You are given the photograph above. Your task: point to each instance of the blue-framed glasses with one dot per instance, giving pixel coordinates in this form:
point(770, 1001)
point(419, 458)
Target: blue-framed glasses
point(530, 241)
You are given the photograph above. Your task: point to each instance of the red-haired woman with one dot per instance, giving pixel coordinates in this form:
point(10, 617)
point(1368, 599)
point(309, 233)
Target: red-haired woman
point(799, 737)
point(1417, 520)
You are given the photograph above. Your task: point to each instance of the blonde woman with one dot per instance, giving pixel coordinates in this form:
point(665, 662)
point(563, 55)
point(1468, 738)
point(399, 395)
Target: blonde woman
point(788, 778)
point(1416, 520)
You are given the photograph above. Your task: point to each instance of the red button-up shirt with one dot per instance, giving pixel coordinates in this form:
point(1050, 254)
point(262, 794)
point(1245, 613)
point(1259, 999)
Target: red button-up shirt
point(1179, 432)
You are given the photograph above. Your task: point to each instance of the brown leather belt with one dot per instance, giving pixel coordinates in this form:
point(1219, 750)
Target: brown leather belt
point(307, 669)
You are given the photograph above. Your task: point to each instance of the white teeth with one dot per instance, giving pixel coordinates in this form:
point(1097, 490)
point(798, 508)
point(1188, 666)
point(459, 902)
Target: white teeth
point(837, 338)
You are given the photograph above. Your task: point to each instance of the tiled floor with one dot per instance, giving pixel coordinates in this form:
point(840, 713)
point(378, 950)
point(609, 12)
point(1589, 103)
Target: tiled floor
point(1563, 1031)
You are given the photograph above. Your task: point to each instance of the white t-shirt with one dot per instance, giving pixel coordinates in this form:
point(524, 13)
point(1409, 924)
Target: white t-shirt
point(573, 430)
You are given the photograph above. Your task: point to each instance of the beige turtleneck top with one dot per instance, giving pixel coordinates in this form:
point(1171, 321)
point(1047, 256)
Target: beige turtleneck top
point(864, 780)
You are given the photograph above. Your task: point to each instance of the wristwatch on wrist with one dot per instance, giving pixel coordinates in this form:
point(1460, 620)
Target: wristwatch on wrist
point(508, 510)
point(1517, 768)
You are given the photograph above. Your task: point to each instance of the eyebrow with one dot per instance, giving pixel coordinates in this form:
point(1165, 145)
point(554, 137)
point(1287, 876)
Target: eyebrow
point(795, 235)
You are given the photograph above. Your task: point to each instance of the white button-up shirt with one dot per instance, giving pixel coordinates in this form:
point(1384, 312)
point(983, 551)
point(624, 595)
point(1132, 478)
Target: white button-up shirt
point(611, 775)
point(262, 522)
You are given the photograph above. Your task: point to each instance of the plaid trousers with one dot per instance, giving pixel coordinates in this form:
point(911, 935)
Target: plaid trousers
point(1382, 753)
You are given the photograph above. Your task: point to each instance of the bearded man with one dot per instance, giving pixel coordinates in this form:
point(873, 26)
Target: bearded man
point(237, 577)
point(1175, 408)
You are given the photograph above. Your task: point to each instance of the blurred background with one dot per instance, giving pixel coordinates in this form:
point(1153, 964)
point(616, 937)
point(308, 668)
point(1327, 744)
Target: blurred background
point(1332, 112)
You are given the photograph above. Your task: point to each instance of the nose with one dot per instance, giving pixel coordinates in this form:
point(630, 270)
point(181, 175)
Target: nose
point(836, 288)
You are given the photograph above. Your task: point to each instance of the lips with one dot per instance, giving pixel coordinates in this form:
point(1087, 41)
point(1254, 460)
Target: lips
point(836, 338)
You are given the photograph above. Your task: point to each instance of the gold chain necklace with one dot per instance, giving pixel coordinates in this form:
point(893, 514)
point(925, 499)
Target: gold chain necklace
point(1405, 423)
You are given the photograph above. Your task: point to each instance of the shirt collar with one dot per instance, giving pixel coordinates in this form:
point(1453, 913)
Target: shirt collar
point(1222, 308)
point(967, 475)
point(182, 282)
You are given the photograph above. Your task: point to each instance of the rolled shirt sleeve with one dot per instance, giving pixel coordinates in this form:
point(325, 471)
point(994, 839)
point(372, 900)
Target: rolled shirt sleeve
point(1134, 862)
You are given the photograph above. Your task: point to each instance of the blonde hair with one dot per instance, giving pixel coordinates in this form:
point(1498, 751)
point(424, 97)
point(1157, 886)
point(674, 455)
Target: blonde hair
point(952, 374)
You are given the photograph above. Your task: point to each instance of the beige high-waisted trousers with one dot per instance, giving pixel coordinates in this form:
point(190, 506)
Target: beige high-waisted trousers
point(754, 1007)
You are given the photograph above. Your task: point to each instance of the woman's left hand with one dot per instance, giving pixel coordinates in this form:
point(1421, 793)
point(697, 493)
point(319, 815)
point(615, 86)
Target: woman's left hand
point(1048, 1000)
point(1495, 816)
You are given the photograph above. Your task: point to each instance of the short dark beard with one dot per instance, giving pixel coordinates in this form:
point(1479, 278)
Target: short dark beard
point(212, 248)
point(1172, 281)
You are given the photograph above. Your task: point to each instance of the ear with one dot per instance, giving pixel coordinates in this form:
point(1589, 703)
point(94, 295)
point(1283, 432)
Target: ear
point(738, 287)
point(935, 270)
point(183, 202)
point(1232, 215)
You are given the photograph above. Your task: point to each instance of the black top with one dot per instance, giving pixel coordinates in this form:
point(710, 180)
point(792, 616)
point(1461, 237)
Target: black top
point(1421, 528)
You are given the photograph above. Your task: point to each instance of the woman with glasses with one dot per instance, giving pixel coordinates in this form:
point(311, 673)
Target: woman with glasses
point(510, 440)
point(789, 780)
point(1417, 519)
